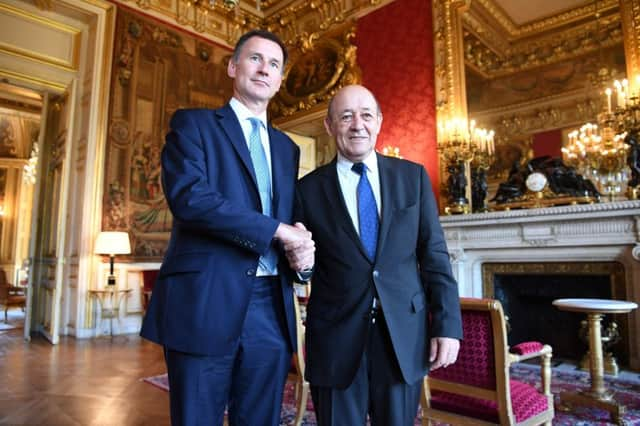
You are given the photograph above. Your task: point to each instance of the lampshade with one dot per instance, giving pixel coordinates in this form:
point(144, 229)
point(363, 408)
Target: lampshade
point(110, 242)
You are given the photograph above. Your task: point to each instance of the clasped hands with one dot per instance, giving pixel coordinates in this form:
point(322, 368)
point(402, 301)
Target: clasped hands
point(298, 246)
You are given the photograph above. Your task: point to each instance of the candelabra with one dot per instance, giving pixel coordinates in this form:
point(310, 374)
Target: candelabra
point(625, 119)
point(479, 167)
point(460, 143)
point(609, 152)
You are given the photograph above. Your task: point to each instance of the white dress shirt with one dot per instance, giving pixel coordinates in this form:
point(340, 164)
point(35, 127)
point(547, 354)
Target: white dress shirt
point(349, 179)
point(244, 114)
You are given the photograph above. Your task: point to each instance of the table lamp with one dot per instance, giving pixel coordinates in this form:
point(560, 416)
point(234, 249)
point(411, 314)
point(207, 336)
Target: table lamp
point(112, 243)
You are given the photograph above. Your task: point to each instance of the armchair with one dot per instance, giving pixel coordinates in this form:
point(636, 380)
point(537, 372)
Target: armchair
point(477, 388)
point(10, 295)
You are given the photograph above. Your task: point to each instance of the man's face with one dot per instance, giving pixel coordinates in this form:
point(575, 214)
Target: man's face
point(258, 73)
point(354, 122)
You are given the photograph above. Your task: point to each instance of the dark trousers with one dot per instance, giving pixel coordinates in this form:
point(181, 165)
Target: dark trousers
point(249, 379)
point(378, 389)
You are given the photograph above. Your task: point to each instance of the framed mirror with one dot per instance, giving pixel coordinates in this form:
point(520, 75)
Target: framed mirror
point(531, 71)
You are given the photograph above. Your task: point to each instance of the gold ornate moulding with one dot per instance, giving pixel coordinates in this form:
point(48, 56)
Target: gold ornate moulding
point(494, 45)
point(319, 67)
point(224, 21)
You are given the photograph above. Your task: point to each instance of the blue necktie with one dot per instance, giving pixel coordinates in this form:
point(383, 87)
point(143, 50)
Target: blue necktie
point(260, 166)
point(367, 212)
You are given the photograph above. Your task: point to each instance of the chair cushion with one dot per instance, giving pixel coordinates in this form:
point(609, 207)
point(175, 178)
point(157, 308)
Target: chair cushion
point(475, 364)
point(527, 348)
point(525, 401)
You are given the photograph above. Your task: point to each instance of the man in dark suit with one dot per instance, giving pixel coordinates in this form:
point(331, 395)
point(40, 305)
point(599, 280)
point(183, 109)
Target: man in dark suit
point(384, 305)
point(222, 306)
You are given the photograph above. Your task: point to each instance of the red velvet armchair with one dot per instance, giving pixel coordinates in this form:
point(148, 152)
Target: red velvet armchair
point(477, 388)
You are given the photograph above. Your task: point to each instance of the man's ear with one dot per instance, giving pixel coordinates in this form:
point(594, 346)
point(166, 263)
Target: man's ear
point(327, 126)
point(231, 68)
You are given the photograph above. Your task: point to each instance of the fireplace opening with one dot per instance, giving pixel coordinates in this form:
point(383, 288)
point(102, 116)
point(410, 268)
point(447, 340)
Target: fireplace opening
point(527, 291)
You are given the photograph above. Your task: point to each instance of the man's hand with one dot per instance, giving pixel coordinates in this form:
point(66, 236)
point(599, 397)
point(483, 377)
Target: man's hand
point(444, 351)
point(298, 245)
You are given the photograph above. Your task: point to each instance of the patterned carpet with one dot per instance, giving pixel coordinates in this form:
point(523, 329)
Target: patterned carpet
point(627, 391)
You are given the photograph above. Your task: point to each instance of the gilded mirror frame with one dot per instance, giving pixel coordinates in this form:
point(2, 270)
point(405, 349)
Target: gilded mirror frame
point(450, 83)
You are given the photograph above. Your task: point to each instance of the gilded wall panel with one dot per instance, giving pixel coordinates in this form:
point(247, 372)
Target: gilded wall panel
point(156, 71)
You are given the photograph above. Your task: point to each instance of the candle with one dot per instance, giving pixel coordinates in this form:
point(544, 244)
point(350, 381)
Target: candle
point(618, 87)
point(608, 92)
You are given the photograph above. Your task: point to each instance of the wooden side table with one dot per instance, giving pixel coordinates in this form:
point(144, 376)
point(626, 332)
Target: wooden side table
point(598, 396)
point(109, 300)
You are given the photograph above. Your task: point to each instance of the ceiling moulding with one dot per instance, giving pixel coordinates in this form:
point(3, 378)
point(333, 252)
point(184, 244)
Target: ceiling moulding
point(225, 24)
point(487, 54)
point(502, 21)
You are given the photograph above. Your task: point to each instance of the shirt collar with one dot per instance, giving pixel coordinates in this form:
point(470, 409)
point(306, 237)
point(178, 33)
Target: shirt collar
point(344, 164)
point(243, 113)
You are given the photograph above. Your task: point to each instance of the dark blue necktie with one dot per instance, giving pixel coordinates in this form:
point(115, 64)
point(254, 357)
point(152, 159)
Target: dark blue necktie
point(367, 212)
point(261, 167)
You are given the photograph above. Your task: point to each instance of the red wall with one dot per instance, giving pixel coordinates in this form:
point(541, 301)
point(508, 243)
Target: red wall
point(395, 53)
point(548, 143)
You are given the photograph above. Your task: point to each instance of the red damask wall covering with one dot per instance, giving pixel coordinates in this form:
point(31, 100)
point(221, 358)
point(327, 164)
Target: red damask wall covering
point(548, 143)
point(395, 53)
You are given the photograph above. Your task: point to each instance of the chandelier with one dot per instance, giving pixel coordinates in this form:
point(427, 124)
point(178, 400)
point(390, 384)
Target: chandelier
point(608, 152)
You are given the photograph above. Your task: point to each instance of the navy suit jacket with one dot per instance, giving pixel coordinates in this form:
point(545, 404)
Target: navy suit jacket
point(411, 274)
point(203, 289)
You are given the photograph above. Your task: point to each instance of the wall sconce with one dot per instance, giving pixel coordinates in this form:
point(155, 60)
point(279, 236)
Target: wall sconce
point(112, 243)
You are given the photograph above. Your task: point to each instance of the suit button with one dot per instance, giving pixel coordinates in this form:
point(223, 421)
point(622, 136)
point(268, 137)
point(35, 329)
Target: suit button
point(251, 272)
point(376, 274)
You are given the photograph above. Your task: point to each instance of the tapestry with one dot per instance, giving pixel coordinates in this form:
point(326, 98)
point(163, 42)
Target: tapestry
point(157, 69)
point(627, 392)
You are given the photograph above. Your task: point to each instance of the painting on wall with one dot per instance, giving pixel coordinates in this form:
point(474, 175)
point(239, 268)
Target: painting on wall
point(156, 70)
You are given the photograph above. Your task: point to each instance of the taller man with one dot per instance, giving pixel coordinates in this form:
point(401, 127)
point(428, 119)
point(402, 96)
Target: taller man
point(384, 304)
point(222, 306)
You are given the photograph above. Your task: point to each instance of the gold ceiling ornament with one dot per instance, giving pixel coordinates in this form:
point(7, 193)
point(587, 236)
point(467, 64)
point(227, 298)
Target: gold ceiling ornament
point(491, 53)
point(224, 21)
point(316, 71)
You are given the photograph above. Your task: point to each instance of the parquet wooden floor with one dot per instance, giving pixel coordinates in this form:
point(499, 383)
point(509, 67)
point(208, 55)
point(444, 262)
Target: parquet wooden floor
point(80, 382)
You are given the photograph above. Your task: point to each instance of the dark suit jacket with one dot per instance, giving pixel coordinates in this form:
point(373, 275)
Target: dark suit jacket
point(202, 293)
point(411, 275)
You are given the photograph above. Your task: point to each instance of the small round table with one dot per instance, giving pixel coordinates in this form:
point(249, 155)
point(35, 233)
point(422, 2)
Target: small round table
point(597, 396)
point(109, 300)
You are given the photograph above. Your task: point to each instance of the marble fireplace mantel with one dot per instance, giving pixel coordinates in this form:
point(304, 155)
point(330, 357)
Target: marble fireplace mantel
point(604, 232)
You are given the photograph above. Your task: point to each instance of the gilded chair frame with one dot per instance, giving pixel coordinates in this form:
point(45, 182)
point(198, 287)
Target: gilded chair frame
point(301, 390)
point(503, 360)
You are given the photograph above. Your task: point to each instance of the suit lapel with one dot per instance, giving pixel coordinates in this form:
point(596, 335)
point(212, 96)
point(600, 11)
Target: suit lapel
point(231, 126)
point(385, 172)
point(334, 198)
point(278, 169)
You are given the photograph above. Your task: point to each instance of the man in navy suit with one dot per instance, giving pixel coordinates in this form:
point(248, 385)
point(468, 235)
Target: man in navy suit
point(384, 305)
point(222, 306)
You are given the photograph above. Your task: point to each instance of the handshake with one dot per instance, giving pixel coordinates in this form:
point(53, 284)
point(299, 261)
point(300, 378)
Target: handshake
point(298, 246)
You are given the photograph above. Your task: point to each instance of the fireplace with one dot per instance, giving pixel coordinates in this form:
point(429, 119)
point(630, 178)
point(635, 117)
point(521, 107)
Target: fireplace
point(526, 291)
point(537, 255)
